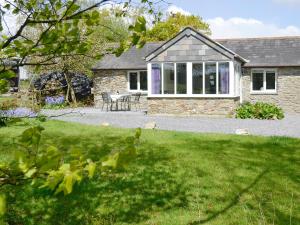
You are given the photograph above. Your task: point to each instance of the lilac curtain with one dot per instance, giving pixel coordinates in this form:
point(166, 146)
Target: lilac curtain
point(156, 79)
point(224, 78)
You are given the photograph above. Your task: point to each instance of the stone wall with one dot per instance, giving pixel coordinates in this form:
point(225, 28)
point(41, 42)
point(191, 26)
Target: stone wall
point(288, 89)
point(192, 106)
point(112, 81)
point(189, 49)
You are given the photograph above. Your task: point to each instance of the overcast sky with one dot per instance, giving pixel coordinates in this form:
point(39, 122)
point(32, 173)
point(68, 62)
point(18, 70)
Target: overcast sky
point(245, 18)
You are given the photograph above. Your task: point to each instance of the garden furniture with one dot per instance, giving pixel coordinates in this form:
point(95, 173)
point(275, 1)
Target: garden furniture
point(136, 100)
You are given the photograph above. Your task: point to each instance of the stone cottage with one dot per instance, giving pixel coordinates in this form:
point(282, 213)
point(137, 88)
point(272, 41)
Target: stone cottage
point(193, 74)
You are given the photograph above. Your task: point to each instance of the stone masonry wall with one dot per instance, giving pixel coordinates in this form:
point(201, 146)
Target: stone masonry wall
point(189, 49)
point(192, 106)
point(288, 90)
point(112, 81)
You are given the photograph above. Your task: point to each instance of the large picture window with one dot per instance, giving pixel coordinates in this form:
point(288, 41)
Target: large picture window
point(156, 79)
point(181, 78)
point(169, 78)
point(193, 78)
point(210, 78)
point(197, 78)
point(224, 78)
point(263, 81)
point(138, 81)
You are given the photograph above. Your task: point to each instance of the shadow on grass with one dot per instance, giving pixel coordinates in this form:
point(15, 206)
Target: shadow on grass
point(165, 177)
point(150, 184)
point(233, 202)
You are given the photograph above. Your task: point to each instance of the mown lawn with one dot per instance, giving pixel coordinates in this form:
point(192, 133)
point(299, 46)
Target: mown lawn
point(177, 178)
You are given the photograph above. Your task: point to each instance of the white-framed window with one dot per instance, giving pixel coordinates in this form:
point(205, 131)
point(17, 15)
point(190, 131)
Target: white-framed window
point(174, 79)
point(263, 81)
point(192, 79)
point(137, 81)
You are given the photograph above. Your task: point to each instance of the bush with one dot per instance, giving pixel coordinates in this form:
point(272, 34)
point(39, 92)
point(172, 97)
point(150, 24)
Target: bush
point(259, 110)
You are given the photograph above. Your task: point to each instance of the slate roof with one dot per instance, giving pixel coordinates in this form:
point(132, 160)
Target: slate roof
point(131, 59)
point(266, 52)
point(260, 52)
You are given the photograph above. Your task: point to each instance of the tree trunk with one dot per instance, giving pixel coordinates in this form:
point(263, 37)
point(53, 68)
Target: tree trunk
point(70, 91)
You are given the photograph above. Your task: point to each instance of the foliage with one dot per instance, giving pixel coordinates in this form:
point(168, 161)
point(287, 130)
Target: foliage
point(109, 30)
point(174, 23)
point(11, 112)
point(60, 23)
point(47, 167)
point(259, 110)
point(4, 79)
point(176, 178)
point(7, 104)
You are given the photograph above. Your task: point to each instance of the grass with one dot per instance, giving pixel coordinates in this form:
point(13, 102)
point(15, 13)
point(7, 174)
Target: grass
point(178, 178)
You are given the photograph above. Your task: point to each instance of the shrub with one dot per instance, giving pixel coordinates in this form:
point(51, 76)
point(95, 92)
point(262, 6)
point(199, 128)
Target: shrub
point(8, 104)
point(259, 110)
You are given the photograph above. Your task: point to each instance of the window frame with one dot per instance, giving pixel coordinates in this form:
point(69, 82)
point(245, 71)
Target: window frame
point(175, 78)
point(265, 90)
point(138, 81)
point(189, 94)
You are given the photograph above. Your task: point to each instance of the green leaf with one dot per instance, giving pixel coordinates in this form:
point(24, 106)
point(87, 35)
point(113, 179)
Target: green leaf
point(4, 86)
point(7, 74)
point(31, 136)
point(138, 133)
point(68, 183)
point(2, 205)
point(91, 167)
point(7, 6)
point(112, 161)
point(30, 172)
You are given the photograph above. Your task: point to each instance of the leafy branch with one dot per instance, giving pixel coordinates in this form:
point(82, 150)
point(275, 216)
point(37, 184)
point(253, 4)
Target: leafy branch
point(50, 168)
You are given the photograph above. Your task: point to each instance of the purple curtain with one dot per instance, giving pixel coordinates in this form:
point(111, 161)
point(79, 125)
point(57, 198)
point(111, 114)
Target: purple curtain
point(156, 79)
point(224, 78)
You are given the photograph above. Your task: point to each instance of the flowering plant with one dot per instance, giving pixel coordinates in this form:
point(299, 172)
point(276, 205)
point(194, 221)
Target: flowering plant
point(18, 112)
point(58, 100)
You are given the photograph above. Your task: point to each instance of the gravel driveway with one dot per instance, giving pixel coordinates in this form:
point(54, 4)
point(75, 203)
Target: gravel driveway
point(290, 126)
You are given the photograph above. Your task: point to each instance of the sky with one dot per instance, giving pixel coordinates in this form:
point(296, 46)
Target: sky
point(239, 18)
point(244, 18)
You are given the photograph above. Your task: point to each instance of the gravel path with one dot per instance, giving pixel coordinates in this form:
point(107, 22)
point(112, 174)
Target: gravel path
point(290, 126)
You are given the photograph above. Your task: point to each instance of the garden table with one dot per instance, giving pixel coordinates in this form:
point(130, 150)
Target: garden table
point(116, 98)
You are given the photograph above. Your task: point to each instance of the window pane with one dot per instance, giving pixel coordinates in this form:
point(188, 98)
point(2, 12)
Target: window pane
point(224, 78)
point(210, 78)
point(270, 79)
point(168, 78)
point(133, 81)
point(143, 81)
point(198, 78)
point(156, 79)
point(258, 81)
point(181, 78)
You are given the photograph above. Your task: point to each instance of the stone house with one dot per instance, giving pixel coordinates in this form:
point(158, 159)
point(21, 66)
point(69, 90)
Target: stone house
point(192, 74)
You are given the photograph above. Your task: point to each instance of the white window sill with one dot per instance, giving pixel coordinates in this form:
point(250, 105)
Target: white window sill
point(192, 96)
point(263, 92)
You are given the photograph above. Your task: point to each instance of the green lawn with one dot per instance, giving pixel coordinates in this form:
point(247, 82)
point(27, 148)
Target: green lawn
point(177, 178)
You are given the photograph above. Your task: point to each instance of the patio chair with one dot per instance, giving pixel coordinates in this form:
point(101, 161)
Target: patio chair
point(125, 103)
point(136, 100)
point(106, 100)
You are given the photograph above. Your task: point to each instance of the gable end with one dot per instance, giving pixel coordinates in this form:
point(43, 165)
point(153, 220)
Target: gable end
point(193, 46)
